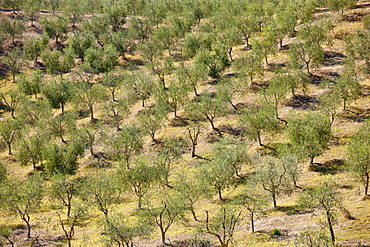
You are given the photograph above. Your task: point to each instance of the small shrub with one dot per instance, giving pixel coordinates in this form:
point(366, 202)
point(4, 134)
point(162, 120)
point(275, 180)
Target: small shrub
point(276, 232)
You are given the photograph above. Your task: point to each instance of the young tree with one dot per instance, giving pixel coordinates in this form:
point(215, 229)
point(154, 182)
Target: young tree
point(68, 225)
point(58, 93)
point(191, 190)
point(14, 62)
point(54, 4)
point(215, 60)
point(9, 129)
point(64, 190)
point(23, 197)
point(273, 177)
point(29, 150)
point(223, 224)
point(165, 212)
point(61, 160)
point(249, 65)
point(325, 198)
point(141, 177)
point(74, 11)
point(258, 119)
point(124, 145)
point(89, 96)
point(32, 10)
point(61, 125)
point(359, 156)
point(264, 48)
point(57, 62)
point(31, 85)
point(90, 135)
point(80, 42)
point(32, 112)
point(217, 174)
point(101, 189)
point(151, 120)
point(309, 134)
point(12, 28)
point(11, 99)
point(254, 202)
point(192, 75)
point(55, 27)
point(99, 60)
point(306, 55)
point(347, 88)
point(118, 229)
point(141, 85)
point(193, 133)
point(206, 108)
point(34, 46)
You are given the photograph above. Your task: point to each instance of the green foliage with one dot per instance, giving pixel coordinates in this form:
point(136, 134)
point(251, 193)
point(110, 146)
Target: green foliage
point(64, 190)
point(12, 28)
point(31, 84)
point(11, 99)
point(61, 159)
point(310, 238)
point(34, 46)
point(14, 62)
point(99, 60)
point(276, 231)
point(164, 212)
point(216, 61)
point(58, 93)
point(326, 198)
point(151, 120)
point(9, 129)
point(309, 134)
point(358, 155)
point(55, 27)
point(89, 96)
point(57, 62)
point(124, 145)
point(101, 189)
point(3, 172)
point(141, 177)
point(258, 119)
point(223, 224)
point(29, 150)
point(217, 174)
point(23, 197)
point(80, 42)
point(119, 229)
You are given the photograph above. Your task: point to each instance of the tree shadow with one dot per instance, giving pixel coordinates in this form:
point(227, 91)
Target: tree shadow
point(231, 130)
point(293, 210)
point(328, 167)
point(332, 58)
point(356, 114)
point(179, 122)
point(303, 102)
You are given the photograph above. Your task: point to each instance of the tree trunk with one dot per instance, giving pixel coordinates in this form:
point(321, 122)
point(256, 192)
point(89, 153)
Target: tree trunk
point(274, 199)
point(193, 150)
point(220, 195)
point(69, 242)
point(259, 138)
point(367, 184)
point(62, 106)
point(9, 148)
point(193, 213)
point(252, 222)
point(311, 162)
point(91, 112)
point(330, 225)
point(26, 219)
